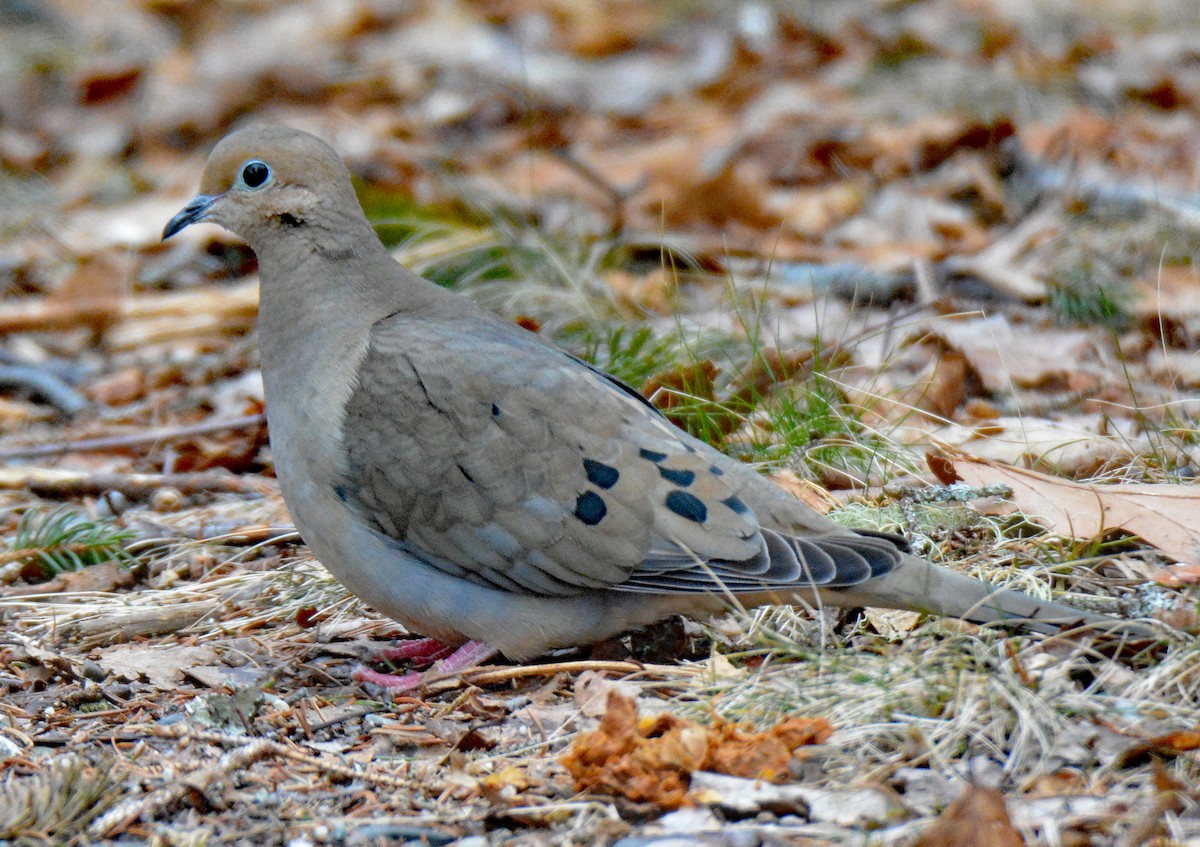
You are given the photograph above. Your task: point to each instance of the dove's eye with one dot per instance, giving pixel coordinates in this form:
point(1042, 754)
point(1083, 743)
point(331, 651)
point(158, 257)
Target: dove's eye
point(255, 174)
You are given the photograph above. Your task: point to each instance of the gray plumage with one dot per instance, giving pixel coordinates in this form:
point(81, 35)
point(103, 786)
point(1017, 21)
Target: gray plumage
point(476, 483)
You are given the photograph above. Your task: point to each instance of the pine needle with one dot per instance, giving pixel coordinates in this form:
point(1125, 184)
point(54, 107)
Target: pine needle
point(65, 540)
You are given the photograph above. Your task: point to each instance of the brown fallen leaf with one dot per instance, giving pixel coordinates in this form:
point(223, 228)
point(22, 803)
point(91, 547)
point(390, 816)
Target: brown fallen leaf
point(93, 291)
point(650, 760)
point(160, 666)
point(685, 385)
point(1002, 353)
point(736, 192)
point(942, 468)
point(104, 577)
point(772, 367)
point(1168, 745)
point(679, 385)
point(678, 389)
point(621, 758)
point(809, 493)
point(1177, 576)
point(117, 389)
point(651, 292)
point(505, 783)
point(595, 29)
point(978, 818)
point(952, 381)
point(1161, 515)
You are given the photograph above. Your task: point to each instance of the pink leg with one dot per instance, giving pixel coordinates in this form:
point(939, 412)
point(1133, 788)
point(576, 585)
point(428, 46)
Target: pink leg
point(424, 651)
point(391, 682)
point(466, 656)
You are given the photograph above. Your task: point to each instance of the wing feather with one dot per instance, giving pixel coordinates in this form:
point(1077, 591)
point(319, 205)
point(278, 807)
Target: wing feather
point(519, 467)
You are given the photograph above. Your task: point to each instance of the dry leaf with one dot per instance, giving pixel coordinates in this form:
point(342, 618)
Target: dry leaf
point(509, 777)
point(1070, 445)
point(948, 379)
point(815, 211)
point(1170, 290)
point(1177, 576)
point(737, 192)
point(652, 292)
point(772, 367)
point(1003, 353)
point(978, 818)
point(808, 492)
point(160, 666)
point(620, 758)
point(942, 468)
point(117, 389)
point(1168, 745)
point(1161, 515)
point(592, 690)
point(651, 760)
point(683, 387)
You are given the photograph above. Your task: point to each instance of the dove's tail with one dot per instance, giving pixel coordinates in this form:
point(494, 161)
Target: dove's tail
point(919, 586)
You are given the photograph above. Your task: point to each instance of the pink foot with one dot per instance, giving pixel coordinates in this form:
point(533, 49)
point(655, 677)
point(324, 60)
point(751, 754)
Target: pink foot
point(395, 683)
point(467, 656)
point(424, 651)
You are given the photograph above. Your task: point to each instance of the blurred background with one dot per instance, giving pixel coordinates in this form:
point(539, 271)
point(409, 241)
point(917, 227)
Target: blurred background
point(827, 236)
point(667, 188)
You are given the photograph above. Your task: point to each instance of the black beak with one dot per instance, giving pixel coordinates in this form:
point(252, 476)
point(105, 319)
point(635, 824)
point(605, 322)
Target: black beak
point(193, 212)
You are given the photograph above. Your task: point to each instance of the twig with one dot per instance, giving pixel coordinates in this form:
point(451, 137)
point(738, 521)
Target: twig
point(45, 385)
point(618, 196)
point(150, 806)
point(483, 677)
point(1015, 659)
point(246, 752)
point(487, 676)
point(208, 309)
point(52, 482)
point(116, 442)
point(135, 622)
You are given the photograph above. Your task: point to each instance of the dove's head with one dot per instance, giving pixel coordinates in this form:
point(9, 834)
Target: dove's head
point(266, 180)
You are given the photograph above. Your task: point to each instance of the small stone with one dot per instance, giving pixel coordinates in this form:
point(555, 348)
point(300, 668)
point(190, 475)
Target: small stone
point(167, 500)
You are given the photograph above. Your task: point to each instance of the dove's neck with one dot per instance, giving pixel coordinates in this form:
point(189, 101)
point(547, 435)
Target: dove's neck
point(319, 295)
point(319, 299)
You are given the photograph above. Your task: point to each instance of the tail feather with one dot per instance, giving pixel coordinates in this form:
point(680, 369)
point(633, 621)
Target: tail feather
point(919, 586)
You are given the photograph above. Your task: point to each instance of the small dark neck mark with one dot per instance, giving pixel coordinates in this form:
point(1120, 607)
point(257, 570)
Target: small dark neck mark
point(288, 219)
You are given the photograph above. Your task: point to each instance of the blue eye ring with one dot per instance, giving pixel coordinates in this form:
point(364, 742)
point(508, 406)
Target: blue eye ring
point(255, 174)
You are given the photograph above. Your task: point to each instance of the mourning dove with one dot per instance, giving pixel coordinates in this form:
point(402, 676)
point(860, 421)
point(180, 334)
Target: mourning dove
point(491, 491)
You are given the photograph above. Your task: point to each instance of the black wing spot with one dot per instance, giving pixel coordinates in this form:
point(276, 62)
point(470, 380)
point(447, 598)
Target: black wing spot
point(590, 508)
point(495, 411)
point(463, 471)
point(736, 505)
point(715, 471)
point(679, 476)
point(687, 506)
point(600, 474)
point(652, 456)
